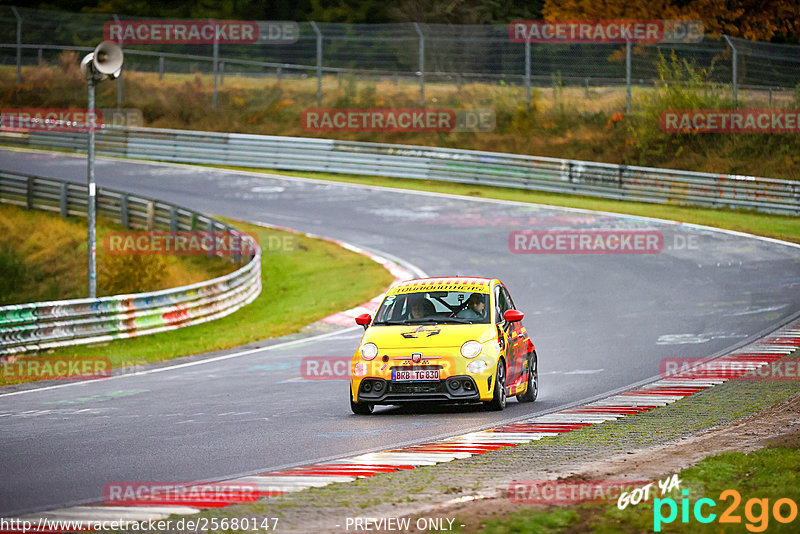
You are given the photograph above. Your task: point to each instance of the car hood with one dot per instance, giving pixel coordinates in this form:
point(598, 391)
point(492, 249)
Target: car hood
point(427, 336)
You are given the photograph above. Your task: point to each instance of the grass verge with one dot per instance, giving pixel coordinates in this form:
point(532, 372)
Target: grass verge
point(760, 479)
point(785, 227)
point(43, 257)
point(772, 474)
point(303, 283)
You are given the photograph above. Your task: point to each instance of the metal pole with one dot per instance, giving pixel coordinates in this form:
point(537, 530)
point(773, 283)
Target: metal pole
point(92, 250)
point(628, 75)
point(528, 74)
point(160, 67)
point(421, 65)
point(735, 80)
point(19, 44)
point(119, 79)
point(319, 63)
point(215, 69)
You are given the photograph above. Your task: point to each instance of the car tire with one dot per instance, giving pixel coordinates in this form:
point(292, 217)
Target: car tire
point(532, 390)
point(498, 402)
point(360, 408)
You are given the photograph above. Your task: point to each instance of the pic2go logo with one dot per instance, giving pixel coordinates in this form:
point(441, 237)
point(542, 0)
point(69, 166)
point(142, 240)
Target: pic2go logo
point(756, 511)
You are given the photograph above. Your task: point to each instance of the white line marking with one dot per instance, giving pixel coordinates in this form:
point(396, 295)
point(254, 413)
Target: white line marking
point(187, 364)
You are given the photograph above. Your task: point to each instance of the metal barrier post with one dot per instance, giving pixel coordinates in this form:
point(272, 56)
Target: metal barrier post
point(19, 44)
point(29, 193)
point(62, 198)
point(215, 66)
point(90, 206)
point(735, 76)
point(628, 76)
point(123, 210)
point(160, 67)
point(319, 63)
point(421, 65)
point(528, 74)
point(119, 78)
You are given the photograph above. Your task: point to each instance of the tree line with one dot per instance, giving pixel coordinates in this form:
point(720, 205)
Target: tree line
point(761, 20)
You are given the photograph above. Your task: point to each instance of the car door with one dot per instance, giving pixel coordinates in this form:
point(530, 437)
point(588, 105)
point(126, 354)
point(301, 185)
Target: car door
point(505, 334)
point(516, 339)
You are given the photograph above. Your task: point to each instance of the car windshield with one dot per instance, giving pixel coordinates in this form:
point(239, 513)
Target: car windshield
point(425, 307)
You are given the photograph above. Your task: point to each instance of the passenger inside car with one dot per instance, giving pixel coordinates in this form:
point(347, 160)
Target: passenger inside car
point(475, 307)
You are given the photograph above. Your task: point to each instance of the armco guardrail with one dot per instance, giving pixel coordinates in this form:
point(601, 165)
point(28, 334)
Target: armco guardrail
point(643, 184)
point(43, 325)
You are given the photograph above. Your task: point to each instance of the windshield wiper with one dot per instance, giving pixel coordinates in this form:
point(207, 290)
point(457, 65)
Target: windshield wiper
point(455, 320)
point(423, 320)
point(392, 322)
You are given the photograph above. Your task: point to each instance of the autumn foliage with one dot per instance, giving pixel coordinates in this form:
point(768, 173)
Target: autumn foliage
point(759, 20)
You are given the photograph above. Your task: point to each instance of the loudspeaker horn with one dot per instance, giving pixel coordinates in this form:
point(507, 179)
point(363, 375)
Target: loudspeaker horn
point(107, 59)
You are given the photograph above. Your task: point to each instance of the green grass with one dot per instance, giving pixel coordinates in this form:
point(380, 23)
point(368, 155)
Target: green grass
point(771, 473)
point(785, 227)
point(43, 257)
point(544, 522)
point(315, 279)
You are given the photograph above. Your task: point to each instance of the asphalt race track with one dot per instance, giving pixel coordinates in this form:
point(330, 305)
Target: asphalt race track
point(600, 322)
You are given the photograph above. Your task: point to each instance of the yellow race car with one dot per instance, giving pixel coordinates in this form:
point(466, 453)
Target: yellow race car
point(450, 340)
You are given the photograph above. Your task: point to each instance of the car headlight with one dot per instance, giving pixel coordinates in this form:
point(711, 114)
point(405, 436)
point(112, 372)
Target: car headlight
point(470, 349)
point(477, 367)
point(369, 351)
point(360, 369)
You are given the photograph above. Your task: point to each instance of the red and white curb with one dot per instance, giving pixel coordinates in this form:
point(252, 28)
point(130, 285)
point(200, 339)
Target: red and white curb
point(772, 347)
point(400, 274)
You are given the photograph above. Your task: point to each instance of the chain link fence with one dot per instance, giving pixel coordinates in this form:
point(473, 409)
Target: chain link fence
point(417, 53)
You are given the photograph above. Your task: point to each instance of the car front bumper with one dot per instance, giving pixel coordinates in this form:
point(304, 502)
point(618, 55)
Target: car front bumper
point(461, 388)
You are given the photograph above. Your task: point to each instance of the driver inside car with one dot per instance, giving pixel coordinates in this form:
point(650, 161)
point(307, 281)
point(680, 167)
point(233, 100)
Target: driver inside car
point(474, 309)
point(421, 307)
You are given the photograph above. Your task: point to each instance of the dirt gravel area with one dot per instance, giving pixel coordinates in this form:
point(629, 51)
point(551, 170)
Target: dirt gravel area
point(777, 425)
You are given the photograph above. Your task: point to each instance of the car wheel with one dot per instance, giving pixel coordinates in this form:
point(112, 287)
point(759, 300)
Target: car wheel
point(360, 408)
point(532, 391)
point(498, 402)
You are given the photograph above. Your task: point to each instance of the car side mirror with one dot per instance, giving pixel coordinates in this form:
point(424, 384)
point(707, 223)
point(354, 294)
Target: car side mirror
point(513, 316)
point(364, 319)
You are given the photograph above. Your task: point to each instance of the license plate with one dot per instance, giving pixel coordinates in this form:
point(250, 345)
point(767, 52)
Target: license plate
point(415, 374)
